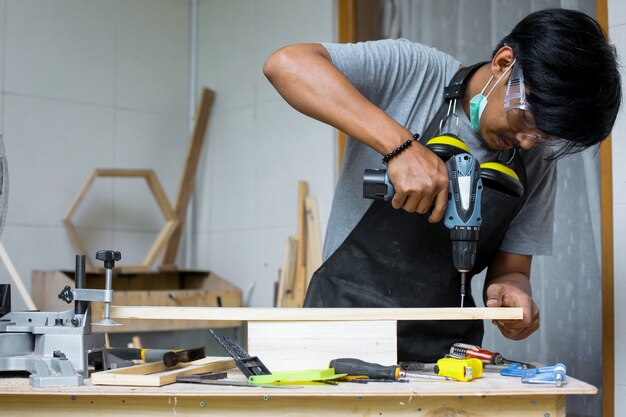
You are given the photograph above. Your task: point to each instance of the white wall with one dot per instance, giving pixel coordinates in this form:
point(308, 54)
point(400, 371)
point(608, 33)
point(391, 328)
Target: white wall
point(88, 84)
point(258, 146)
point(617, 33)
point(105, 84)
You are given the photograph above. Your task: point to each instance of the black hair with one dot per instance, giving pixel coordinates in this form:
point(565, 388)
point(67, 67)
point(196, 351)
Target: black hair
point(572, 75)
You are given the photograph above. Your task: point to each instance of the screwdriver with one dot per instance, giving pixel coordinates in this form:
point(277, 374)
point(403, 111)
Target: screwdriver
point(357, 367)
point(465, 351)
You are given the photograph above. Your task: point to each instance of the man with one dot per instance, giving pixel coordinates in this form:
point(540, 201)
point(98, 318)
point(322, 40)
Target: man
point(552, 87)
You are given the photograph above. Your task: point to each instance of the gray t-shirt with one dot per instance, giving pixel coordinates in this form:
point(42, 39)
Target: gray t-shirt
point(406, 80)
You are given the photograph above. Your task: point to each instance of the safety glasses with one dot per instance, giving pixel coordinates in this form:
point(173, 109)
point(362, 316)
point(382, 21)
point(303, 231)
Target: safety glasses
point(518, 111)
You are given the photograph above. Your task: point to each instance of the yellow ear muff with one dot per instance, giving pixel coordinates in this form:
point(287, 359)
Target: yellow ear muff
point(494, 175)
point(446, 146)
point(499, 177)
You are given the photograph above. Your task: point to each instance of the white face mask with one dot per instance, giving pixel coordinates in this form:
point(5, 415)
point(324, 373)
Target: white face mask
point(479, 101)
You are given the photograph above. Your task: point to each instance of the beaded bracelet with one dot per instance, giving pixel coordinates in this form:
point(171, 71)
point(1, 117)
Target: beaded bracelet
point(399, 149)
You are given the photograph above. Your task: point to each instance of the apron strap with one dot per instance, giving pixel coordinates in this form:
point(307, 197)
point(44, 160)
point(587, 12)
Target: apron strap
point(454, 91)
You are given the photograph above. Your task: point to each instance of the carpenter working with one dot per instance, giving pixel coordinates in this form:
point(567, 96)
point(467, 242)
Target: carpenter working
point(551, 88)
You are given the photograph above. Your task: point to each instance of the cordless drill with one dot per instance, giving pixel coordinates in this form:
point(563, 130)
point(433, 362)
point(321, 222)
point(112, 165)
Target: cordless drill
point(462, 215)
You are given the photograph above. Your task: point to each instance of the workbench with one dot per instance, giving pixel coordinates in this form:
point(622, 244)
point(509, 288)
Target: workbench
point(491, 395)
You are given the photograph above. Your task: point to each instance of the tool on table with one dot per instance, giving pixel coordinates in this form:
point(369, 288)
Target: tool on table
point(199, 378)
point(459, 369)
point(54, 347)
point(211, 378)
point(309, 376)
point(358, 368)
point(219, 378)
point(555, 374)
point(248, 365)
point(465, 351)
point(411, 366)
point(462, 215)
point(258, 374)
point(168, 356)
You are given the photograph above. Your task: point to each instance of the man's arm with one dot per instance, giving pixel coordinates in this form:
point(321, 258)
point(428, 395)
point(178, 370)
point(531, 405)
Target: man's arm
point(306, 78)
point(508, 285)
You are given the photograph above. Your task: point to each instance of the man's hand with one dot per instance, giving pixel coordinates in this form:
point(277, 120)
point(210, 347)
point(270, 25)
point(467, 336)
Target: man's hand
point(508, 294)
point(420, 181)
point(508, 285)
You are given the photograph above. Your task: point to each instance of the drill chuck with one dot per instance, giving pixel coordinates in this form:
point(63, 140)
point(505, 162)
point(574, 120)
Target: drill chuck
point(464, 245)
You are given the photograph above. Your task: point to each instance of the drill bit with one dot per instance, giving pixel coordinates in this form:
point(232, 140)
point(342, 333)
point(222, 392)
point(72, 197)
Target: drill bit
point(463, 280)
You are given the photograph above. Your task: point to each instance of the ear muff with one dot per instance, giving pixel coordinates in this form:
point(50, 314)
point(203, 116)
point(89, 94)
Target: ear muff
point(494, 175)
point(446, 146)
point(500, 177)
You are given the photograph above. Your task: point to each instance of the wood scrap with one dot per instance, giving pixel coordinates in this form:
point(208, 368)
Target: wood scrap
point(157, 374)
point(15, 277)
point(299, 285)
point(314, 238)
point(287, 273)
point(188, 176)
point(305, 247)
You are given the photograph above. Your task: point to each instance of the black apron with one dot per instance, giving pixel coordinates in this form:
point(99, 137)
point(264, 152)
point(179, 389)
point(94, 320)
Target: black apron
point(393, 258)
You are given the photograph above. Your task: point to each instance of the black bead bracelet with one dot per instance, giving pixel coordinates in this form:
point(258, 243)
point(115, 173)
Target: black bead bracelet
point(399, 149)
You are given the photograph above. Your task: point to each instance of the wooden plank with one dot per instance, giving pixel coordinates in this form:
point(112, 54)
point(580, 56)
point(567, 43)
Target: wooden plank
point(15, 277)
point(315, 314)
point(299, 285)
point(608, 285)
point(290, 346)
point(171, 299)
point(79, 197)
point(157, 374)
point(160, 242)
point(287, 273)
point(314, 238)
point(123, 172)
point(160, 196)
point(347, 34)
point(188, 176)
point(171, 221)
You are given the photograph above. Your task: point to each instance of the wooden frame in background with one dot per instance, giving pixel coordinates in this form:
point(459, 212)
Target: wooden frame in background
point(606, 210)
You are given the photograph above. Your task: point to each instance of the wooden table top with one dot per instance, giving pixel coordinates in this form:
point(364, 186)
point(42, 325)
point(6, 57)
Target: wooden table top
point(490, 384)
